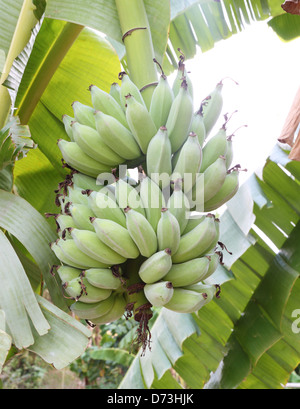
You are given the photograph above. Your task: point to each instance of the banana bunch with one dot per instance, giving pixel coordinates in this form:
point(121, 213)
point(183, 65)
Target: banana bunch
point(128, 244)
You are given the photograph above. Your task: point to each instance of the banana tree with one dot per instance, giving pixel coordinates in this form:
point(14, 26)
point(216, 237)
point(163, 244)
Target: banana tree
point(51, 54)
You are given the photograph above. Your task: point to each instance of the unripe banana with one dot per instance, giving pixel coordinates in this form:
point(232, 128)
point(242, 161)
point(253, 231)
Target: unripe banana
point(227, 191)
point(107, 278)
point(84, 182)
point(179, 205)
point(116, 312)
point(84, 114)
point(127, 195)
point(63, 258)
point(89, 243)
point(115, 92)
point(193, 222)
point(78, 257)
point(152, 200)
point(214, 148)
point(93, 310)
point(81, 215)
point(140, 122)
point(128, 87)
point(67, 273)
point(180, 117)
point(185, 301)
point(182, 75)
point(116, 136)
point(156, 266)
point(80, 288)
point(161, 102)
point(141, 232)
point(189, 272)
point(159, 158)
point(211, 107)
point(209, 183)
point(78, 160)
point(188, 162)
point(75, 195)
point(168, 231)
point(196, 242)
point(105, 207)
point(159, 294)
point(206, 291)
point(67, 121)
point(65, 222)
point(214, 262)
point(104, 102)
point(116, 237)
point(90, 141)
point(198, 127)
point(229, 152)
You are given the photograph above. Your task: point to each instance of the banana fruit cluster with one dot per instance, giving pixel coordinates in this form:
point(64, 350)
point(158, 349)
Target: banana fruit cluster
point(129, 244)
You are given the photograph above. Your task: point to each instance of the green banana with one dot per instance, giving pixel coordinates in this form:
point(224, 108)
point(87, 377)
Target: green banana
point(209, 183)
point(64, 222)
point(105, 207)
point(226, 192)
point(127, 195)
point(116, 312)
point(140, 122)
point(81, 215)
point(152, 200)
point(180, 76)
point(104, 278)
point(180, 117)
point(196, 242)
point(159, 294)
point(67, 273)
point(214, 262)
point(161, 102)
point(211, 107)
point(78, 160)
point(128, 87)
point(80, 288)
point(179, 205)
point(156, 266)
point(116, 136)
point(116, 237)
point(193, 222)
point(168, 231)
point(214, 148)
point(198, 127)
point(185, 301)
point(89, 243)
point(189, 272)
point(84, 114)
point(90, 141)
point(104, 102)
point(207, 291)
point(67, 121)
point(92, 310)
point(85, 182)
point(188, 162)
point(77, 256)
point(229, 152)
point(159, 158)
point(115, 92)
point(141, 232)
point(63, 258)
point(75, 195)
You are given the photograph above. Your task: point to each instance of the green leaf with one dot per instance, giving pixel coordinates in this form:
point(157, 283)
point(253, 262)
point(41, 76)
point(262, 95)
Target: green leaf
point(286, 26)
point(5, 340)
point(24, 222)
point(65, 341)
point(116, 355)
point(17, 298)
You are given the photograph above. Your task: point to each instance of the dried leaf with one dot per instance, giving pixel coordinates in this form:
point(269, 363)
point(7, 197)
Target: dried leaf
point(291, 6)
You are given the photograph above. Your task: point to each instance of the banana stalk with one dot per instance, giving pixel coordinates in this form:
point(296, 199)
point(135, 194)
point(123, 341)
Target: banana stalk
point(138, 43)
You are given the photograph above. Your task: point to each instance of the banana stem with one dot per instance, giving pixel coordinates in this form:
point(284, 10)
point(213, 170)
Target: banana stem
point(53, 59)
point(139, 47)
